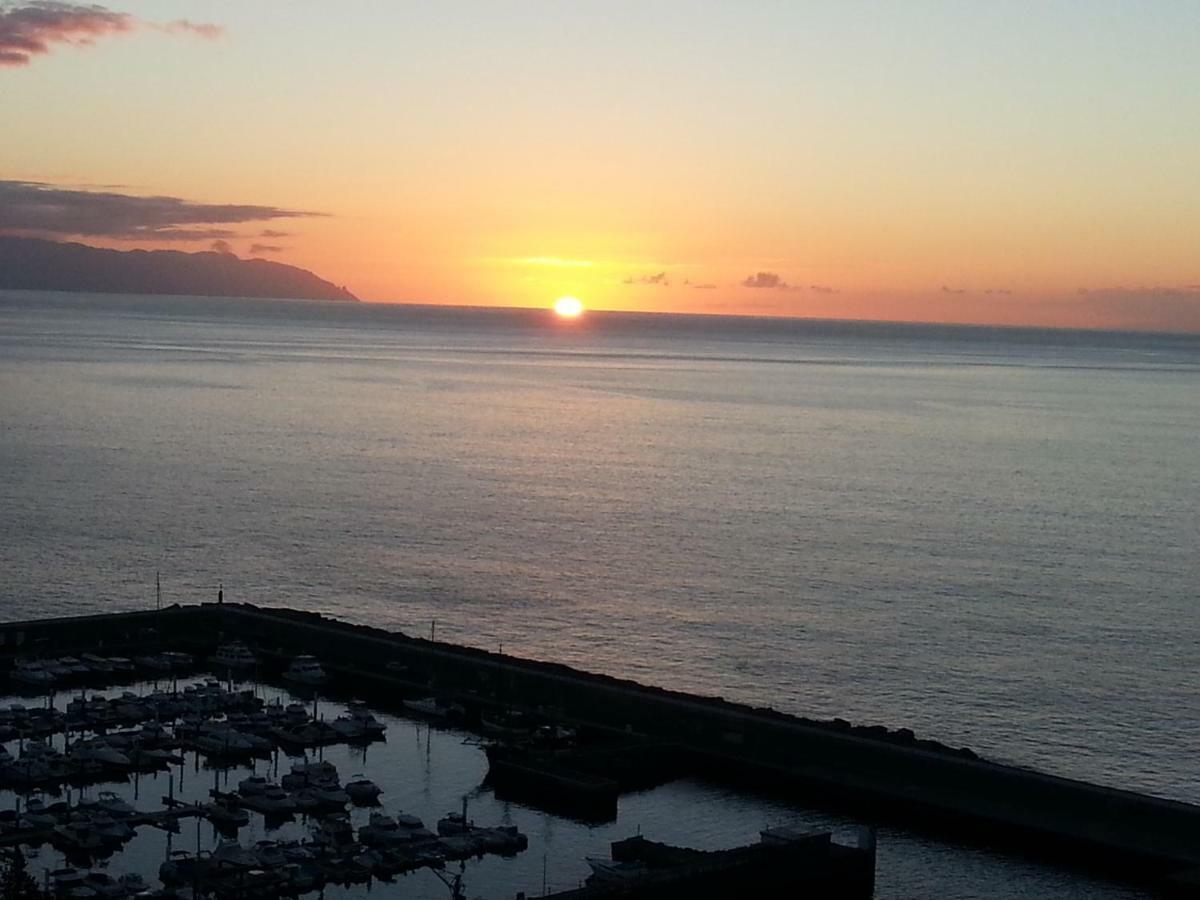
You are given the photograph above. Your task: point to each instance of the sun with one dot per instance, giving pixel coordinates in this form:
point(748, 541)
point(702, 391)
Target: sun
point(568, 307)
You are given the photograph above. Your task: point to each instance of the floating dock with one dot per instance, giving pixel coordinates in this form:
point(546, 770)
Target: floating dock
point(882, 775)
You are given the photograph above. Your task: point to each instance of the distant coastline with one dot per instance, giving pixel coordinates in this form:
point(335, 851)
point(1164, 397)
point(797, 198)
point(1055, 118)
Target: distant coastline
point(43, 265)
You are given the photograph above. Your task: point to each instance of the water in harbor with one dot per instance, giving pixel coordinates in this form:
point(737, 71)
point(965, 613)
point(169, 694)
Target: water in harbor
point(426, 770)
point(987, 536)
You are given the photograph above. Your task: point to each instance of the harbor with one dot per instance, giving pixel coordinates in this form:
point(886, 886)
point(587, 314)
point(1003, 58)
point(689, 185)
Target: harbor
point(562, 746)
point(156, 766)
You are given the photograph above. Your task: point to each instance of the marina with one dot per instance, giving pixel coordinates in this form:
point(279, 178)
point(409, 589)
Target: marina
point(178, 775)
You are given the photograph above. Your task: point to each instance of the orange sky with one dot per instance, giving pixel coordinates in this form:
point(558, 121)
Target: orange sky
point(929, 162)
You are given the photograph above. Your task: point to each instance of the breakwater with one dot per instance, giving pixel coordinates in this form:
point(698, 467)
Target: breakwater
point(884, 775)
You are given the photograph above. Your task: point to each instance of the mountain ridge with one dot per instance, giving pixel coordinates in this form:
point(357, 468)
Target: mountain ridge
point(39, 264)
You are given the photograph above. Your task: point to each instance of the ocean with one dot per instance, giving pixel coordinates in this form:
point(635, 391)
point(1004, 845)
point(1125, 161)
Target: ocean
point(985, 535)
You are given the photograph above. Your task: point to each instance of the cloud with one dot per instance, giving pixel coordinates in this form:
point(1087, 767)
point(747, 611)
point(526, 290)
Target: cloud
point(34, 208)
point(1004, 292)
point(954, 290)
point(822, 289)
point(264, 249)
point(272, 233)
point(1156, 307)
point(222, 247)
point(706, 286)
point(32, 28)
point(200, 29)
point(658, 278)
point(768, 280)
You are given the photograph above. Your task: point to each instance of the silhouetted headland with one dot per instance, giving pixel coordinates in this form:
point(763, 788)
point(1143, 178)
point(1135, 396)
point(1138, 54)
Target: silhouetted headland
point(41, 265)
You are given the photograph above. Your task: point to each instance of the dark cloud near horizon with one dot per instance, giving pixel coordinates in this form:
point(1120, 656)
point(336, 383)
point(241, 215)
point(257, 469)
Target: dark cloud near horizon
point(265, 249)
point(1158, 307)
point(30, 29)
point(222, 247)
point(954, 290)
point(33, 208)
point(766, 281)
point(706, 286)
point(272, 233)
point(822, 289)
point(658, 278)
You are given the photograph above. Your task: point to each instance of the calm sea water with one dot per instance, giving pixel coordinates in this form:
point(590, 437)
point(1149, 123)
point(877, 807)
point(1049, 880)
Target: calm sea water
point(986, 535)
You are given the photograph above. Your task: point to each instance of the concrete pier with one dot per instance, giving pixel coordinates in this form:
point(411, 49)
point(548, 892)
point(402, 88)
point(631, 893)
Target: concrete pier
point(881, 775)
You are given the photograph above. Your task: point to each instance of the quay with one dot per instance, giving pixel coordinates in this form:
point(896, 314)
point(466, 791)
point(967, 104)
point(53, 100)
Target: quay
point(877, 774)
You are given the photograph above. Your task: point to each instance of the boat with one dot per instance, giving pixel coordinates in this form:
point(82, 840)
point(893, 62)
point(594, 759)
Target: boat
point(226, 816)
point(611, 872)
point(234, 655)
point(305, 774)
point(78, 835)
point(98, 664)
point(113, 805)
point(254, 784)
point(273, 801)
point(434, 708)
point(358, 724)
point(334, 832)
point(363, 791)
point(33, 672)
point(306, 670)
point(454, 824)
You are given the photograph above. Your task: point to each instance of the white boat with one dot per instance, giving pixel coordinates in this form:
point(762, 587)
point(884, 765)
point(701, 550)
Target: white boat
point(306, 670)
point(234, 655)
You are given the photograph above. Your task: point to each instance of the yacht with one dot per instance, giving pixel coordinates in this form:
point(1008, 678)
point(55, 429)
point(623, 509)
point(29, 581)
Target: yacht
point(306, 670)
point(234, 655)
point(358, 724)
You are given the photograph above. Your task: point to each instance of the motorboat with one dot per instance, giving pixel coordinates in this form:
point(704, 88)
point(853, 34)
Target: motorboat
point(78, 835)
point(358, 724)
point(110, 803)
point(226, 816)
point(33, 672)
point(253, 784)
point(435, 708)
point(234, 655)
point(454, 823)
point(306, 670)
point(304, 774)
point(363, 791)
point(611, 872)
point(273, 801)
point(334, 832)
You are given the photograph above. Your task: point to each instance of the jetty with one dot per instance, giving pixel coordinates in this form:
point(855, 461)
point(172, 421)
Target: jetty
point(877, 774)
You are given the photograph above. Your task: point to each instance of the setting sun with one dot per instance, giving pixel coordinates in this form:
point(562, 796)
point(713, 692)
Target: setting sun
point(568, 307)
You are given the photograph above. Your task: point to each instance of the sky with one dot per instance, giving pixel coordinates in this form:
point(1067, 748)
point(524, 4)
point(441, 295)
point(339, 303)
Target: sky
point(1016, 163)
